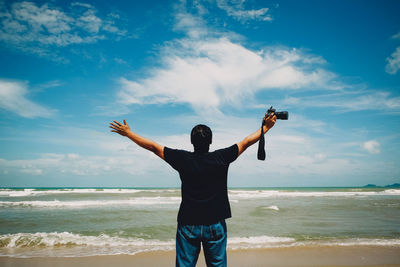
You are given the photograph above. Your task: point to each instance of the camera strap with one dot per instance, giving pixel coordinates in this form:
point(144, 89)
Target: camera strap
point(261, 144)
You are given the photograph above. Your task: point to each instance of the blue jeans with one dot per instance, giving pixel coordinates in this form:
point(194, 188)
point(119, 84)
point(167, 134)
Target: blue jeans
point(189, 239)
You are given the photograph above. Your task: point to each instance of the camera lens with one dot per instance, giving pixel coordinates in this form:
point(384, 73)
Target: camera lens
point(283, 115)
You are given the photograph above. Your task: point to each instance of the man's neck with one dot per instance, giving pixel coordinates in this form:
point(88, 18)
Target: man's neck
point(201, 150)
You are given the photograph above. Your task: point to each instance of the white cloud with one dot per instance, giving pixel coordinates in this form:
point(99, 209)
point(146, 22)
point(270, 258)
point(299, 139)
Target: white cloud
point(396, 36)
point(236, 9)
point(120, 61)
point(193, 26)
point(393, 64)
point(344, 101)
point(129, 162)
point(113, 156)
point(36, 28)
point(207, 74)
point(32, 171)
point(13, 98)
point(48, 84)
point(372, 146)
point(208, 69)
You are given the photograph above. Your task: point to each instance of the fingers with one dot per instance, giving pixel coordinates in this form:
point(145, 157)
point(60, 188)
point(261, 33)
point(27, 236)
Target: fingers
point(119, 128)
point(114, 127)
point(269, 116)
point(272, 118)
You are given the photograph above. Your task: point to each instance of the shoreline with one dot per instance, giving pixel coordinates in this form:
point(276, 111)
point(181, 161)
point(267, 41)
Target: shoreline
point(272, 257)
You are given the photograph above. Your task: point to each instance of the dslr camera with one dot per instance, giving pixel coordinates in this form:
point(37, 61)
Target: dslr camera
point(280, 115)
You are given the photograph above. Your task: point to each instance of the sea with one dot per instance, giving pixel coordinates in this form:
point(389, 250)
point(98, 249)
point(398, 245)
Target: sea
point(75, 222)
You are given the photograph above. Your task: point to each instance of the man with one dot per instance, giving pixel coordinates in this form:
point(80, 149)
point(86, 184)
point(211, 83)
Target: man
point(205, 204)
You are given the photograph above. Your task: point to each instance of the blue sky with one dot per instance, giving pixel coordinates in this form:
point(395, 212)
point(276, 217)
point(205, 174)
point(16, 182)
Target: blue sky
point(69, 68)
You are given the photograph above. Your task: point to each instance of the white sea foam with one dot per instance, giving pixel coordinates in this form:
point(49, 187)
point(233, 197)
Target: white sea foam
point(93, 203)
point(273, 207)
point(350, 242)
point(363, 242)
point(70, 244)
point(392, 191)
point(56, 239)
point(36, 192)
point(281, 242)
point(234, 194)
point(253, 194)
point(75, 245)
point(259, 242)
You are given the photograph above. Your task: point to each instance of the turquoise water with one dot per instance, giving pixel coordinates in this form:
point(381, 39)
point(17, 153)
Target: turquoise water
point(106, 221)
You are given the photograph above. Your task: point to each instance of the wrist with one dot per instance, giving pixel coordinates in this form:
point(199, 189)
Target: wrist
point(129, 133)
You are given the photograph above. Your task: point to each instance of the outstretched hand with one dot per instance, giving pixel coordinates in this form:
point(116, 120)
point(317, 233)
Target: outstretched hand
point(269, 120)
point(122, 129)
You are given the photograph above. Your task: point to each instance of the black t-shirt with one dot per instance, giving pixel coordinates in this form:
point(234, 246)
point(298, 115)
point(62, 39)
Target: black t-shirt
point(204, 184)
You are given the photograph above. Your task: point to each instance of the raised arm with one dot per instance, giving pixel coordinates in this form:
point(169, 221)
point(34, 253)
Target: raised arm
point(124, 130)
point(254, 137)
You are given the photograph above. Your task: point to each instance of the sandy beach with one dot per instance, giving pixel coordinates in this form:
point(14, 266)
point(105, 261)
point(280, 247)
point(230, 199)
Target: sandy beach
point(275, 257)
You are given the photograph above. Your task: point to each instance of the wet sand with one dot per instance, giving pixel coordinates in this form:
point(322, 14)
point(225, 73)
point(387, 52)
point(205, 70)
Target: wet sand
point(273, 257)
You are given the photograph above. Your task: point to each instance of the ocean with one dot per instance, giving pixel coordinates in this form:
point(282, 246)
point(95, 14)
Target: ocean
point(74, 222)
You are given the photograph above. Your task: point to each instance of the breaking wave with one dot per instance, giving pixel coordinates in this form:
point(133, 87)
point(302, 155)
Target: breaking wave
point(253, 194)
point(36, 192)
point(66, 244)
point(93, 203)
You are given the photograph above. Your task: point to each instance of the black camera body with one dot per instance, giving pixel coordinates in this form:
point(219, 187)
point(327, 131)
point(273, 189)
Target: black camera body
point(280, 115)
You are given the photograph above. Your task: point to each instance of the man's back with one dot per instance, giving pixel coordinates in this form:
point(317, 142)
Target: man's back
point(204, 184)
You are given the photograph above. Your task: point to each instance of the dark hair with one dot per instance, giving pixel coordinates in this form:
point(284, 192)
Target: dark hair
point(201, 137)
